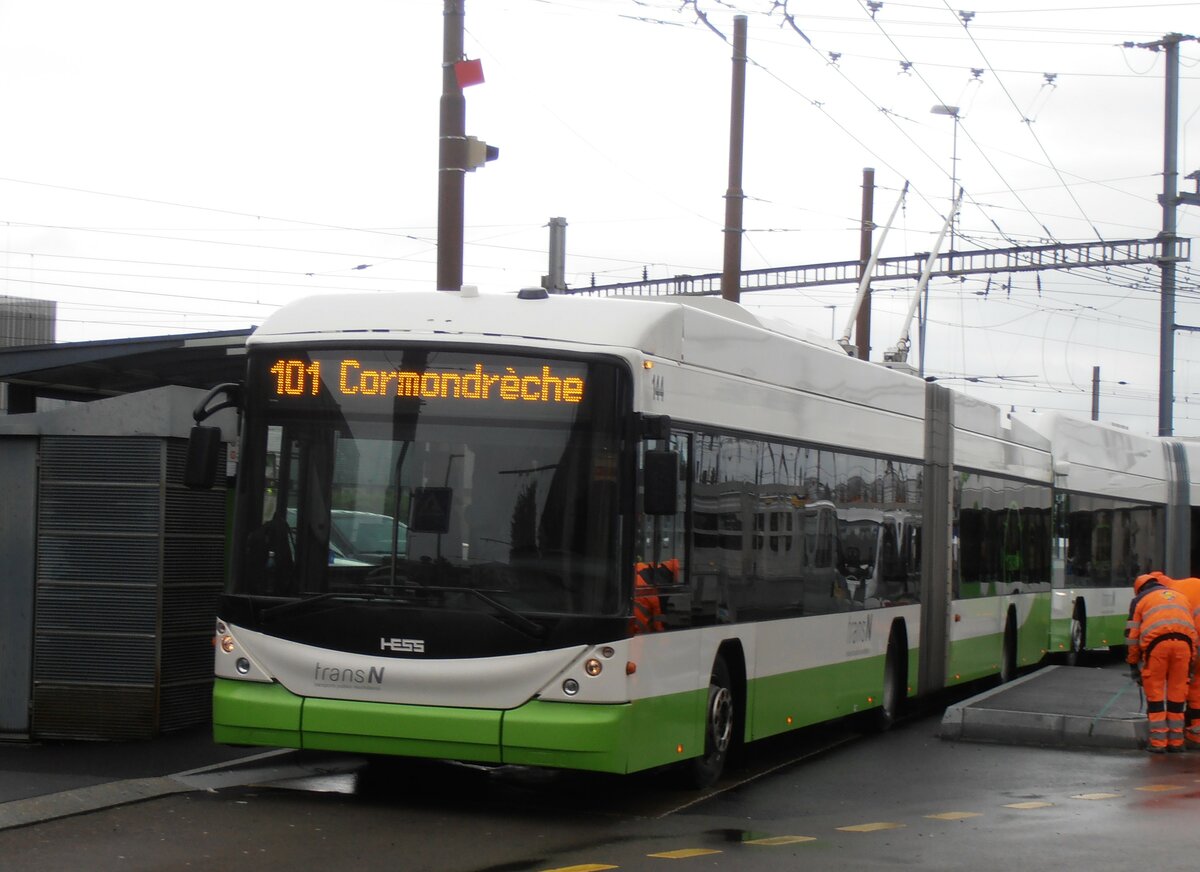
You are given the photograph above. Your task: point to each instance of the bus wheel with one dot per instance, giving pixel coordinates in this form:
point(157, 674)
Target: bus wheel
point(895, 682)
point(1008, 653)
point(719, 718)
point(1078, 638)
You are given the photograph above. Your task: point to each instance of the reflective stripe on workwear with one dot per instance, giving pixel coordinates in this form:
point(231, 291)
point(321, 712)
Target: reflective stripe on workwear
point(1158, 612)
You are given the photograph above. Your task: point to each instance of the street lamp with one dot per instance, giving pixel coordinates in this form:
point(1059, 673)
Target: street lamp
point(952, 111)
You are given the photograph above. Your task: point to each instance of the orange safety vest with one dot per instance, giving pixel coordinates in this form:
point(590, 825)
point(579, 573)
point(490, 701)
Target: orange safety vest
point(1158, 613)
point(647, 607)
point(1190, 588)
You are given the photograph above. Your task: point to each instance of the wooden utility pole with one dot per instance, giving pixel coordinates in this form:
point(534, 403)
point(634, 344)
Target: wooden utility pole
point(734, 197)
point(452, 135)
point(862, 328)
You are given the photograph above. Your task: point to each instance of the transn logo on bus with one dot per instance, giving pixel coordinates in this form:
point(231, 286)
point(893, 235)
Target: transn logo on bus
point(399, 646)
point(347, 676)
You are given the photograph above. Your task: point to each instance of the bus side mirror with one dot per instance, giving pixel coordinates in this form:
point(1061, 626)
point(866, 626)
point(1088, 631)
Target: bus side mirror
point(660, 480)
point(204, 443)
point(203, 452)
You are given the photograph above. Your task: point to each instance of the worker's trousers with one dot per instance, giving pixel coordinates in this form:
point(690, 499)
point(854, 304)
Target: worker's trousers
point(1191, 733)
point(1165, 680)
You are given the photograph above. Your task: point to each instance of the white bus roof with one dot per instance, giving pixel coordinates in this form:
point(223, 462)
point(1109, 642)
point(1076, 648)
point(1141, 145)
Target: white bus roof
point(1095, 457)
point(653, 326)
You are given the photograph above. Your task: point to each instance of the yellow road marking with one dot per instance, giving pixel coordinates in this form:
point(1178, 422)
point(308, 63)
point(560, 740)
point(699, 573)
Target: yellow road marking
point(870, 828)
point(781, 840)
point(954, 815)
point(1095, 796)
point(684, 853)
point(1032, 804)
point(1159, 787)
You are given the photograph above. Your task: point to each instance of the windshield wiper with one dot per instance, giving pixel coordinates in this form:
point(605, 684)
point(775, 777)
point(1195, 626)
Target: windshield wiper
point(506, 615)
point(303, 605)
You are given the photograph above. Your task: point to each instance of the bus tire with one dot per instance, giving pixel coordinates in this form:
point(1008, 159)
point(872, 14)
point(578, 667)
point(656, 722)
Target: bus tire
point(720, 715)
point(1078, 637)
point(895, 680)
point(1008, 651)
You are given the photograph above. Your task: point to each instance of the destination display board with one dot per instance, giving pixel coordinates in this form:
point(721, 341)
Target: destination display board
point(451, 382)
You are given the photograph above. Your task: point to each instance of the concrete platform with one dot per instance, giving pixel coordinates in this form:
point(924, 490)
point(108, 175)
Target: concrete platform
point(1060, 706)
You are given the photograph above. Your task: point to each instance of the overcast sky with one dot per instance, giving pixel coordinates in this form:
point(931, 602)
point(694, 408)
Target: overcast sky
point(174, 166)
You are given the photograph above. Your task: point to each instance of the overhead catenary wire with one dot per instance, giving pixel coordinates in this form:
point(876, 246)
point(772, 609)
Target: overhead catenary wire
point(995, 221)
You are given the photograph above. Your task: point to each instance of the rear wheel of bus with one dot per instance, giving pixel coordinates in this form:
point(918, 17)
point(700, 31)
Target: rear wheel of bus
point(1008, 649)
point(895, 680)
point(1078, 637)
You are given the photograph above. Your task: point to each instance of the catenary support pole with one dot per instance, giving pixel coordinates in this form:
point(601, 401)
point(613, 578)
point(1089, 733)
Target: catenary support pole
point(1166, 338)
point(734, 197)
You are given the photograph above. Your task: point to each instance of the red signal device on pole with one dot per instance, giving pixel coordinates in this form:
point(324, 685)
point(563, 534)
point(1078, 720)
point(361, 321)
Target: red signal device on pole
point(468, 73)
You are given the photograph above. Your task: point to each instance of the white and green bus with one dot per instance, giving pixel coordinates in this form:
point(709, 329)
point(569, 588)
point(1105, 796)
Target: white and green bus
point(1121, 508)
point(611, 534)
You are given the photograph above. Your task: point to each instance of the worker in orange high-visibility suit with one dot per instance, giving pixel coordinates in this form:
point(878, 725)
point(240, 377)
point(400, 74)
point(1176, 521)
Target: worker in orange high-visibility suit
point(1190, 588)
point(1161, 639)
point(647, 607)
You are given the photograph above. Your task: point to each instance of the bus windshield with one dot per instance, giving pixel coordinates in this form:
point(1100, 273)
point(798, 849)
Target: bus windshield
point(420, 474)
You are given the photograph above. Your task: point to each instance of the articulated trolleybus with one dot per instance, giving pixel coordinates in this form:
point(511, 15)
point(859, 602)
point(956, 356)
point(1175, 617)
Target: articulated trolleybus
point(615, 534)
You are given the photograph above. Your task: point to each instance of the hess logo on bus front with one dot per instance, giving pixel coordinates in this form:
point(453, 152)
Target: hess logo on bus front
point(402, 646)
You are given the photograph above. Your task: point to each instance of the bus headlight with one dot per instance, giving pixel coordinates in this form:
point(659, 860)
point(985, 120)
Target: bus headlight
point(593, 667)
point(570, 687)
point(227, 644)
point(243, 665)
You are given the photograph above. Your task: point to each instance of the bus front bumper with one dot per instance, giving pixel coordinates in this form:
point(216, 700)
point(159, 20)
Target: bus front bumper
point(590, 737)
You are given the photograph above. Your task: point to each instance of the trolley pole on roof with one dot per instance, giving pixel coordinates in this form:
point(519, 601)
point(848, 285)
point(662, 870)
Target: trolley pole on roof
point(732, 274)
point(865, 278)
point(452, 133)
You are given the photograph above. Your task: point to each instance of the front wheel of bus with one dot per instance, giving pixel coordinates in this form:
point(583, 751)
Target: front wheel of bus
point(719, 718)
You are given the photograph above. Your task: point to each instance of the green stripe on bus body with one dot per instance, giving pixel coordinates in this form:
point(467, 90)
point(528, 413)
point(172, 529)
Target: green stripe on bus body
point(408, 730)
point(250, 713)
point(602, 738)
point(974, 658)
point(1099, 631)
point(1034, 634)
point(814, 695)
point(980, 656)
point(1106, 630)
point(606, 738)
